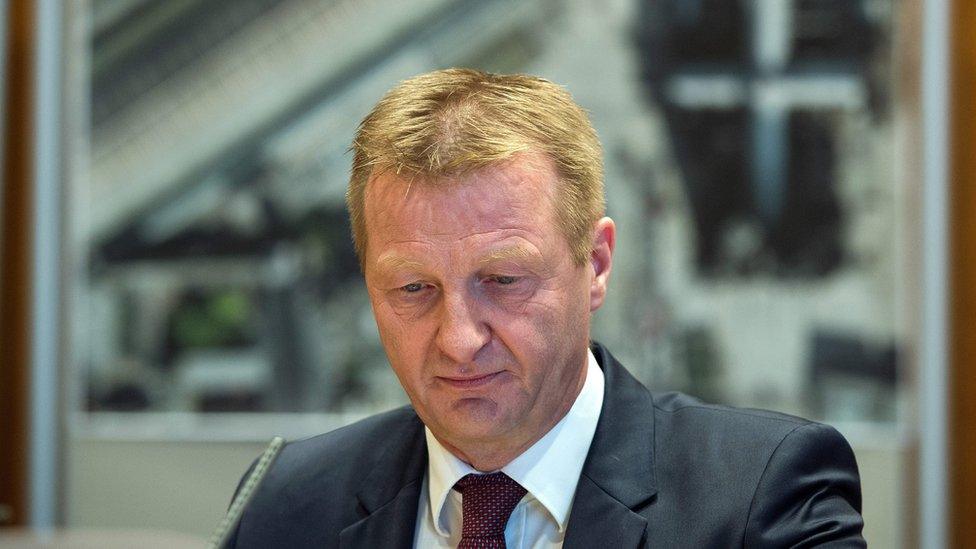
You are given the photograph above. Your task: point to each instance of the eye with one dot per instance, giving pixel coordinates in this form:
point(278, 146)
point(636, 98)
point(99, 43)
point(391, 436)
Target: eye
point(412, 288)
point(503, 280)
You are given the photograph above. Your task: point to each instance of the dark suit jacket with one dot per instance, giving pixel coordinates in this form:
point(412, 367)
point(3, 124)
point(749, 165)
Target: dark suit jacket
point(663, 471)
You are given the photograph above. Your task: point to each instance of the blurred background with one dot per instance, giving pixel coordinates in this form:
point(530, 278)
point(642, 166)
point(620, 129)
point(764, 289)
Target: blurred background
point(792, 182)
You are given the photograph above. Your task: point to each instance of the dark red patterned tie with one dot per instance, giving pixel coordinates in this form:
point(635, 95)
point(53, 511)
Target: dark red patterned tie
point(486, 503)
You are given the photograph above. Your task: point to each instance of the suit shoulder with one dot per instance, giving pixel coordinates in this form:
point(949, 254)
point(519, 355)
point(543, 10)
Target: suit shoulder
point(687, 411)
point(310, 492)
point(367, 430)
point(731, 440)
point(349, 445)
point(335, 460)
point(740, 466)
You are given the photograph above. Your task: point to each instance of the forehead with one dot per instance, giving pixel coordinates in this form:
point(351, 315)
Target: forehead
point(514, 195)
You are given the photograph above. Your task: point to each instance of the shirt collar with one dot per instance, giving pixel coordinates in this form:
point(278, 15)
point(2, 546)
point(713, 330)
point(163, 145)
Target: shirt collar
point(543, 469)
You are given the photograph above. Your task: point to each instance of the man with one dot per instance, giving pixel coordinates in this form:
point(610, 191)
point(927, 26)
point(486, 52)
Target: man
point(478, 216)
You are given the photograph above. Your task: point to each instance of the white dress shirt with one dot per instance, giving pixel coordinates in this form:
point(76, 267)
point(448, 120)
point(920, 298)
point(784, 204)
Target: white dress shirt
point(549, 470)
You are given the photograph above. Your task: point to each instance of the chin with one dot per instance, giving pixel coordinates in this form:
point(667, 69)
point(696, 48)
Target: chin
point(475, 425)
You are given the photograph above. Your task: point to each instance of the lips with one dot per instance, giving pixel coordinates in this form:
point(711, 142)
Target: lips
point(469, 382)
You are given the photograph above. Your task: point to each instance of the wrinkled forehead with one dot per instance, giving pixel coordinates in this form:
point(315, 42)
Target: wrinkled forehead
point(469, 210)
point(529, 180)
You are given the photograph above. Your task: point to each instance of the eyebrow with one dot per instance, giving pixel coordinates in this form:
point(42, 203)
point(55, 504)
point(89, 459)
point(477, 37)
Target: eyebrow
point(397, 262)
point(508, 253)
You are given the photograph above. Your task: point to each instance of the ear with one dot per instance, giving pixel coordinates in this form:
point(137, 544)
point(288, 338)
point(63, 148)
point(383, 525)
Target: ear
point(601, 258)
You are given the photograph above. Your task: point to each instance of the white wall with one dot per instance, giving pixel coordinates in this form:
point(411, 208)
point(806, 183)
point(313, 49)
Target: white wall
point(179, 486)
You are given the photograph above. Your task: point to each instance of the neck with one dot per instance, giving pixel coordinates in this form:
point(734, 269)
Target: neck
point(485, 460)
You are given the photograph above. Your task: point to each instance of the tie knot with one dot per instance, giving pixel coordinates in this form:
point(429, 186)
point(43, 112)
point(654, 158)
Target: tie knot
point(486, 503)
point(492, 482)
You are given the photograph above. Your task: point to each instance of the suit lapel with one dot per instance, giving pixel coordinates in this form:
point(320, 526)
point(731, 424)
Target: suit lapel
point(392, 525)
point(618, 476)
point(390, 494)
point(600, 520)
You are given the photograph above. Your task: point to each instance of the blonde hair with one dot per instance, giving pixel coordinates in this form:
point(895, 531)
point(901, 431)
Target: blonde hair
point(450, 122)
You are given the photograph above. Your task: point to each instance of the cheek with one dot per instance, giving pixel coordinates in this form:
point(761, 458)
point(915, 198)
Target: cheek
point(396, 339)
point(405, 340)
point(391, 319)
point(406, 361)
point(549, 324)
point(531, 330)
point(387, 326)
point(555, 308)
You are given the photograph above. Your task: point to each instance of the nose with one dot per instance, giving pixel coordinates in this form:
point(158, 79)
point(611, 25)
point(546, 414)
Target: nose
point(462, 331)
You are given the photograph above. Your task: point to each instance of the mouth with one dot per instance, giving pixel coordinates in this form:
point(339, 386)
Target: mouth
point(469, 382)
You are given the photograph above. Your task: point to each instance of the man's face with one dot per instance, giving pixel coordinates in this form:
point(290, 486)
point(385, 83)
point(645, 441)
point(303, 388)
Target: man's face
point(483, 313)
